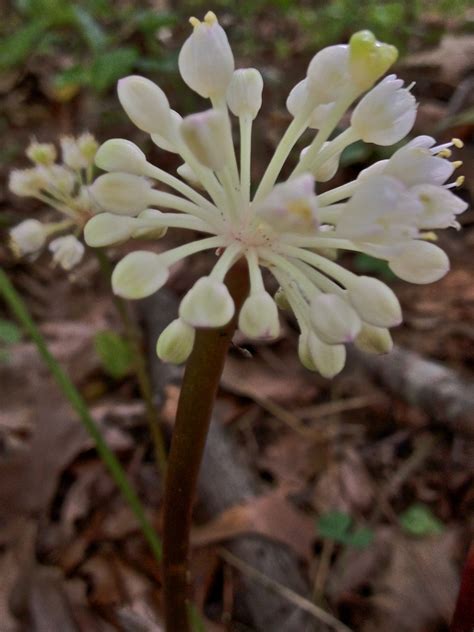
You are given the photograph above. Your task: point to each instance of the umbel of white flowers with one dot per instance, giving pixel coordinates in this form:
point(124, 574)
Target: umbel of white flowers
point(62, 186)
point(287, 227)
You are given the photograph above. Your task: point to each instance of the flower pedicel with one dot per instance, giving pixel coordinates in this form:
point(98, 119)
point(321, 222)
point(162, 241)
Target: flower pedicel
point(388, 212)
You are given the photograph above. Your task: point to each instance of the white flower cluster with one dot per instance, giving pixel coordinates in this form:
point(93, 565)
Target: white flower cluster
point(285, 227)
point(64, 187)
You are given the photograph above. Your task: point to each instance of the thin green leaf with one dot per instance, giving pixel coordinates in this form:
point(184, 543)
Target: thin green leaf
point(18, 46)
point(90, 29)
point(111, 66)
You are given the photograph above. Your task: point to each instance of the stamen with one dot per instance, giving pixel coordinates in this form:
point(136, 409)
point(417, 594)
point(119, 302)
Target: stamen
point(210, 18)
point(445, 153)
point(194, 22)
point(457, 163)
point(458, 143)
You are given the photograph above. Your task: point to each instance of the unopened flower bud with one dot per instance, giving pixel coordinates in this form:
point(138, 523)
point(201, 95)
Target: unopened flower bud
point(28, 237)
point(369, 59)
point(207, 304)
point(304, 352)
point(71, 153)
point(327, 169)
point(206, 62)
point(328, 74)
point(121, 193)
point(27, 182)
point(291, 206)
point(41, 153)
point(281, 300)
point(297, 100)
point(375, 302)
point(59, 178)
point(139, 274)
point(374, 339)
point(420, 262)
point(329, 360)
point(106, 229)
point(168, 138)
point(204, 134)
point(386, 114)
point(119, 154)
point(176, 342)
point(147, 226)
point(88, 147)
point(258, 318)
point(333, 319)
point(188, 174)
point(145, 104)
point(244, 95)
point(67, 251)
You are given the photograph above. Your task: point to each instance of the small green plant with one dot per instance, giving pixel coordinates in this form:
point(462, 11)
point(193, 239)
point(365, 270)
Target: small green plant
point(9, 335)
point(114, 353)
point(419, 520)
point(339, 526)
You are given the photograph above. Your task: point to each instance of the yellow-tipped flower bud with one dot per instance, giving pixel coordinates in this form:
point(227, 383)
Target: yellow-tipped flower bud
point(206, 62)
point(369, 59)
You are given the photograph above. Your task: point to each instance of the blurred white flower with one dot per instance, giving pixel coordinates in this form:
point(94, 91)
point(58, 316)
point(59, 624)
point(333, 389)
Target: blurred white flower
point(62, 186)
point(287, 227)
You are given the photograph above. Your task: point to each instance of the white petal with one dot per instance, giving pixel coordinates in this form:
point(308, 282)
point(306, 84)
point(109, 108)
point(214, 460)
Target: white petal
point(416, 165)
point(204, 133)
point(440, 206)
point(67, 251)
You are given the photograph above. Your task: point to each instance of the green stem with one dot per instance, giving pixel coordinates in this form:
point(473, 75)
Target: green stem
point(140, 367)
point(116, 470)
point(198, 392)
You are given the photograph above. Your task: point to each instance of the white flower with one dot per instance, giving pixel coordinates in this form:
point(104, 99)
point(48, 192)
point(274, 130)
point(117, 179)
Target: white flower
point(72, 155)
point(67, 251)
point(287, 227)
point(28, 237)
point(41, 153)
point(386, 114)
point(62, 186)
point(206, 62)
point(291, 206)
